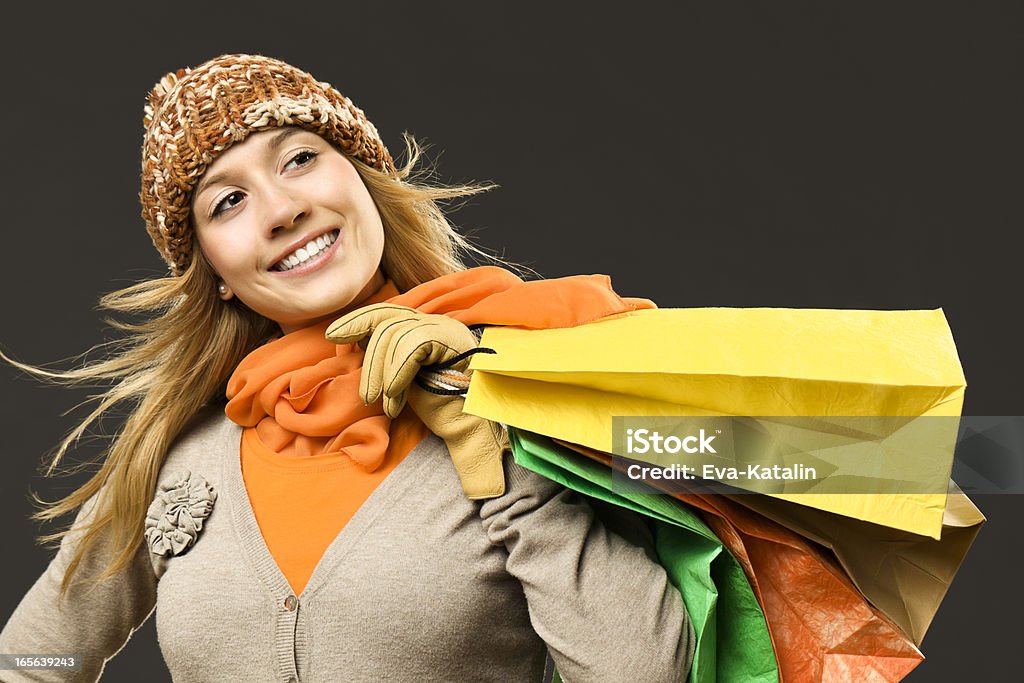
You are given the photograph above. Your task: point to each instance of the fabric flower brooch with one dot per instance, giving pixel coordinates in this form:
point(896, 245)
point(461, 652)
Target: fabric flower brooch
point(175, 517)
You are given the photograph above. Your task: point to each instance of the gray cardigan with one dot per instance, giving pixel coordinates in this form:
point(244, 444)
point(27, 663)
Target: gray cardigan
point(421, 585)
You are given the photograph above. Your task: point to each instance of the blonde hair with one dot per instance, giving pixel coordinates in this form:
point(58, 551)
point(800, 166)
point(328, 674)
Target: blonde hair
point(166, 376)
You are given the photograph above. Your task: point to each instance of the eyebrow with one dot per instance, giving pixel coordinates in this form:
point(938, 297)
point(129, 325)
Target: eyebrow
point(272, 146)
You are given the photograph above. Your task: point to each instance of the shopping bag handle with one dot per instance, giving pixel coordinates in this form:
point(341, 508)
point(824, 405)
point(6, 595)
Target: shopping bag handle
point(440, 379)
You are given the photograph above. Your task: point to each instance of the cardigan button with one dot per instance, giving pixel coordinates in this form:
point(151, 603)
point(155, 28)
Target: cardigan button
point(290, 603)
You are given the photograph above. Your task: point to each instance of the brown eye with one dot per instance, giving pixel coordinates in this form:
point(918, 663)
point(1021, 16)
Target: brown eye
point(228, 202)
point(302, 158)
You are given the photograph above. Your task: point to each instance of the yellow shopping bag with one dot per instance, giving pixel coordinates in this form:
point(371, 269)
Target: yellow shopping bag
point(568, 383)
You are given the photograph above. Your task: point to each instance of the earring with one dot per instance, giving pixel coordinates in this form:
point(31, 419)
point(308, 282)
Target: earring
point(222, 289)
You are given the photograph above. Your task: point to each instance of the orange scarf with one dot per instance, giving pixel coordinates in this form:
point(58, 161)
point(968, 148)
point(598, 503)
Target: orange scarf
point(307, 431)
point(300, 392)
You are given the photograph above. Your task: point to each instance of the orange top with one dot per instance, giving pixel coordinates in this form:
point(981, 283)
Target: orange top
point(312, 453)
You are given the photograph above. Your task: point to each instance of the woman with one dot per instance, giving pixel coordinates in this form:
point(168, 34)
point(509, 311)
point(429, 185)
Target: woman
point(311, 529)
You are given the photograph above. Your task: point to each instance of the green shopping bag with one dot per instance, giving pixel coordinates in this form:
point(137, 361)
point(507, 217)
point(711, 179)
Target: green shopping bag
point(733, 643)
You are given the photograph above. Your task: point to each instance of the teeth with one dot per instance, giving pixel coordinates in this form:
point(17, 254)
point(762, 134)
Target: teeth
point(312, 249)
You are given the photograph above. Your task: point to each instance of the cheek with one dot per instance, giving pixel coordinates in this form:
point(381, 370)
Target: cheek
point(373, 232)
point(226, 255)
point(373, 243)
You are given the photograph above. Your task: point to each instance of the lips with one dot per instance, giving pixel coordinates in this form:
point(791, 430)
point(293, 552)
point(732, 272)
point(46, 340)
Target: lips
point(312, 249)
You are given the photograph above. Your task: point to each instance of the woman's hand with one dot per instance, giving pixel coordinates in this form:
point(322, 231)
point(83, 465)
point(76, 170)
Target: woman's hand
point(402, 340)
point(475, 444)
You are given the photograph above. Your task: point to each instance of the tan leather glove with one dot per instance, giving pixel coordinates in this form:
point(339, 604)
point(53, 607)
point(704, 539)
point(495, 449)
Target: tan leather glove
point(477, 445)
point(402, 341)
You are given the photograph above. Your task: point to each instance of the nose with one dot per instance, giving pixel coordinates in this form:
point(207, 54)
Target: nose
point(285, 208)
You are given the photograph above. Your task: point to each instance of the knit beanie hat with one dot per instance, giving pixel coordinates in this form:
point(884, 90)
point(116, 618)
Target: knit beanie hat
point(193, 115)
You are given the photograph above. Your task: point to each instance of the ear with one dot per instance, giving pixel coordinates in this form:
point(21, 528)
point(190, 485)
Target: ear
point(224, 292)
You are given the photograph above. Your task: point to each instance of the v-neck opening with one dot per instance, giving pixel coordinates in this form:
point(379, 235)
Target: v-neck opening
point(255, 546)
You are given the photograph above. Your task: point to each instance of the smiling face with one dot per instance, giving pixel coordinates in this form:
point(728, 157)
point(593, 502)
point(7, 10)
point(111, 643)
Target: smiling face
point(288, 225)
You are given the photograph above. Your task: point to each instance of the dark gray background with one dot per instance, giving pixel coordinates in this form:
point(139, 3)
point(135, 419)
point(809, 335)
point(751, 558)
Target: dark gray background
point(853, 155)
